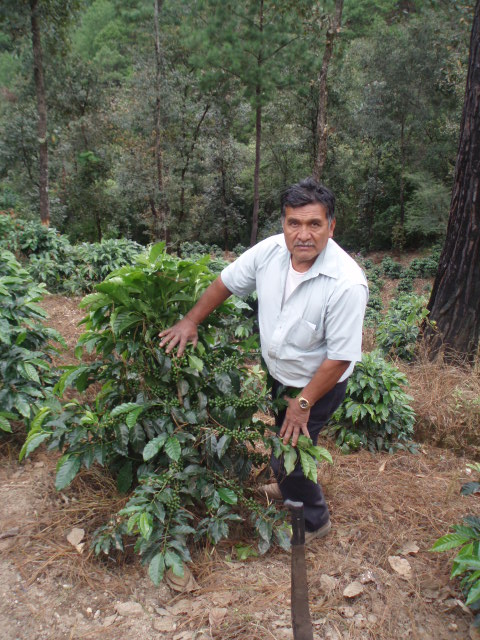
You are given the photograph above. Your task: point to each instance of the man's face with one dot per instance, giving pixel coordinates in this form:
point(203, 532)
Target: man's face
point(306, 230)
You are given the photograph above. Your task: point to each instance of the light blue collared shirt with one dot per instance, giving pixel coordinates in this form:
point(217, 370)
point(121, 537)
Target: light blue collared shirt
point(322, 318)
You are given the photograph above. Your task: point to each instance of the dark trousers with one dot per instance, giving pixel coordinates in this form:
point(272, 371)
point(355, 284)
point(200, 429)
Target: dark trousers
point(296, 486)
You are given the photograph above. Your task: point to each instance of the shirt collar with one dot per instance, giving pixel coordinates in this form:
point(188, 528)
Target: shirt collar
point(325, 264)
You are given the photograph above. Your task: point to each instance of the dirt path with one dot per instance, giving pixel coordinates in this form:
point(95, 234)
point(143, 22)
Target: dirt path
point(382, 507)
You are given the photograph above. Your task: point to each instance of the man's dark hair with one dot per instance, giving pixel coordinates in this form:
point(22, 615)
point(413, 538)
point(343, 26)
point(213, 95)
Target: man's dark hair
point(308, 191)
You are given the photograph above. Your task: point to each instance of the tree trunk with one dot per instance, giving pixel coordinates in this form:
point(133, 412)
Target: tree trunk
point(321, 133)
point(256, 174)
point(258, 142)
point(455, 301)
point(42, 114)
point(223, 176)
point(402, 174)
point(196, 134)
point(160, 217)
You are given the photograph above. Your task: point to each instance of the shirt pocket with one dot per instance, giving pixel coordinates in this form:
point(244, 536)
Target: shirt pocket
point(303, 336)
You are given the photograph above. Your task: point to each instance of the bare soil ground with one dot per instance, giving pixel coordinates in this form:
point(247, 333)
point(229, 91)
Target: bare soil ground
point(384, 509)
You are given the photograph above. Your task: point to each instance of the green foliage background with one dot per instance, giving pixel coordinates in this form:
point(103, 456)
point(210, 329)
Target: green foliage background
point(396, 86)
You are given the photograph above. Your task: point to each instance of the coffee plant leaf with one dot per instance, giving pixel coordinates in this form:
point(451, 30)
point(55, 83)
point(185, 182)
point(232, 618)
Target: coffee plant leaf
point(125, 407)
point(308, 465)
point(227, 495)
point(320, 454)
point(174, 562)
point(173, 448)
point(154, 446)
point(290, 459)
point(22, 405)
point(5, 425)
point(67, 469)
point(145, 524)
point(156, 568)
point(450, 541)
point(195, 362)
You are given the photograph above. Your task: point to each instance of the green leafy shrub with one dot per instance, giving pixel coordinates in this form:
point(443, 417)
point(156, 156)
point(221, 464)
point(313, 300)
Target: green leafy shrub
point(9, 227)
point(424, 267)
point(376, 412)
point(238, 249)
point(63, 267)
point(398, 331)
point(94, 261)
point(35, 238)
point(375, 285)
point(26, 377)
point(373, 311)
point(197, 250)
point(180, 433)
point(467, 561)
point(391, 269)
point(405, 285)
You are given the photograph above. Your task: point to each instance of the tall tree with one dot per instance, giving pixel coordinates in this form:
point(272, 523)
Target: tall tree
point(38, 76)
point(247, 44)
point(321, 129)
point(455, 301)
point(49, 18)
point(159, 212)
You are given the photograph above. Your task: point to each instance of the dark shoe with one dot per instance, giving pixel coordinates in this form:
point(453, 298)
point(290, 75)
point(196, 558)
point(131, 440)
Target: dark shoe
point(318, 533)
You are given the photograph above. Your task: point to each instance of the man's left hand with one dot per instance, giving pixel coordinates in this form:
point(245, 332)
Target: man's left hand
point(295, 422)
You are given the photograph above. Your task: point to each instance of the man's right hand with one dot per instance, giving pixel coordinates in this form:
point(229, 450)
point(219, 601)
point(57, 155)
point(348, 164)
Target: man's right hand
point(184, 331)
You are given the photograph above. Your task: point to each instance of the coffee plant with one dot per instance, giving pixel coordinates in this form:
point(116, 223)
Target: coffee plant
point(179, 434)
point(376, 412)
point(467, 561)
point(26, 346)
point(398, 331)
point(424, 267)
point(391, 269)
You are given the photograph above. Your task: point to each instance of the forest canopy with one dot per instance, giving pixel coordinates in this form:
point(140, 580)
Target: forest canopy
point(177, 120)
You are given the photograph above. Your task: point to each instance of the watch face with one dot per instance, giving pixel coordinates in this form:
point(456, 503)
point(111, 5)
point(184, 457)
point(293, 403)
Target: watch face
point(304, 404)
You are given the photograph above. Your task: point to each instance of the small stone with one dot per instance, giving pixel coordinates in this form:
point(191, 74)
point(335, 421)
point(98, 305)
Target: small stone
point(89, 610)
point(353, 590)
point(409, 549)
point(453, 627)
point(75, 538)
point(129, 609)
point(372, 618)
point(39, 465)
point(400, 566)
point(367, 577)
point(346, 612)
point(96, 615)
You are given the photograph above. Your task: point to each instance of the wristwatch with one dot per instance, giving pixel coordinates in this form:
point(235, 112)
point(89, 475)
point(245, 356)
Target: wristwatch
point(304, 403)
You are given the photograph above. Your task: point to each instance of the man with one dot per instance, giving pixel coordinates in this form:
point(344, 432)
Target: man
point(311, 302)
